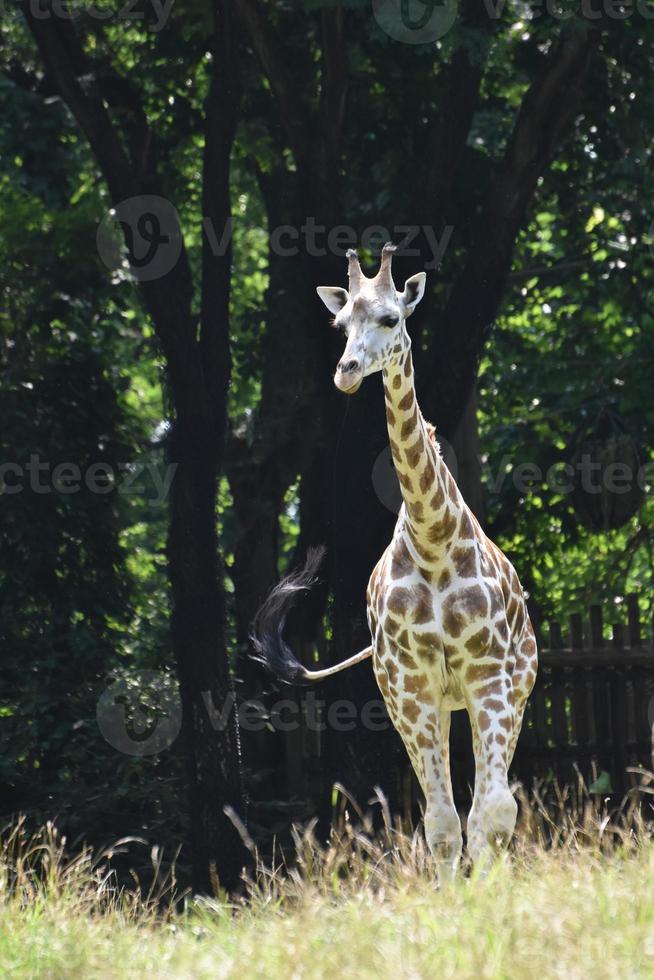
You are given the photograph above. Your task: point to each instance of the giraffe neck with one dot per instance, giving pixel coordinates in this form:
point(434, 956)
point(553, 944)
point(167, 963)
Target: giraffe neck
point(433, 504)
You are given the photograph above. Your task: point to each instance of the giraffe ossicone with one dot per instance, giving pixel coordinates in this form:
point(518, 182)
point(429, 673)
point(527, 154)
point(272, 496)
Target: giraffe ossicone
point(448, 617)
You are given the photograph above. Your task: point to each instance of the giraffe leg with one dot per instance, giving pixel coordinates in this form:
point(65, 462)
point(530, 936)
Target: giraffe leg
point(492, 818)
point(524, 678)
point(442, 823)
point(424, 729)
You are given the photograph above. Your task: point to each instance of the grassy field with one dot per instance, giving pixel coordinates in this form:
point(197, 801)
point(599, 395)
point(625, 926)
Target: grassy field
point(360, 908)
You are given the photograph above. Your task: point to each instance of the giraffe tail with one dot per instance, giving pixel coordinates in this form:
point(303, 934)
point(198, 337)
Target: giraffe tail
point(267, 632)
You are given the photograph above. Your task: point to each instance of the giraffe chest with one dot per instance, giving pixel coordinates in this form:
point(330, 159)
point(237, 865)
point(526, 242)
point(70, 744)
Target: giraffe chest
point(430, 625)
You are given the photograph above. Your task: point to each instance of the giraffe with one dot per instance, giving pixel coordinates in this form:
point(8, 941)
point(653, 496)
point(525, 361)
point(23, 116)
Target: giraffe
point(447, 614)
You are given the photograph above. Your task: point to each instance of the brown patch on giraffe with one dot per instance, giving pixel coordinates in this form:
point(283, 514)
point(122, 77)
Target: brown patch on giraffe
point(406, 401)
point(397, 381)
point(528, 647)
point(382, 683)
point(417, 511)
point(409, 426)
point(442, 530)
point(423, 611)
point(438, 498)
point(426, 479)
point(519, 623)
point(483, 721)
point(398, 601)
point(395, 449)
point(462, 608)
point(422, 741)
point(466, 527)
point(479, 642)
point(390, 418)
point(493, 687)
point(426, 640)
point(480, 672)
point(450, 487)
point(445, 580)
point(407, 661)
point(403, 640)
point(496, 601)
point(392, 671)
point(415, 683)
point(423, 553)
point(392, 626)
point(465, 561)
point(493, 704)
point(405, 480)
point(502, 630)
point(410, 710)
point(413, 454)
point(500, 739)
point(505, 723)
point(408, 365)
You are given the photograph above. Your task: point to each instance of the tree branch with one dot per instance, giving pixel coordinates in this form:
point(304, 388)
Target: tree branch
point(84, 101)
point(269, 52)
point(334, 85)
point(168, 299)
point(457, 103)
point(473, 303)
point(216, 268)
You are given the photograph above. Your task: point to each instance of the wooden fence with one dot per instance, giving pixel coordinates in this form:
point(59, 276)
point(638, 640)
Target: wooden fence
point(591, 711)
point(592, 707)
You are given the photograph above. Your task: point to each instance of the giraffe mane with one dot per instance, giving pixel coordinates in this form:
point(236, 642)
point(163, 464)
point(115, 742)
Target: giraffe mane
point(431, 433)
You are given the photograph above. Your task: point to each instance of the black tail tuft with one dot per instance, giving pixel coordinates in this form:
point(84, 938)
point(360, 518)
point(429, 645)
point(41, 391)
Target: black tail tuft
point(268, 626)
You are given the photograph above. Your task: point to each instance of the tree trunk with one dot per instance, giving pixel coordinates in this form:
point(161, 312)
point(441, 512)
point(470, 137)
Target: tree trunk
point(198, 619)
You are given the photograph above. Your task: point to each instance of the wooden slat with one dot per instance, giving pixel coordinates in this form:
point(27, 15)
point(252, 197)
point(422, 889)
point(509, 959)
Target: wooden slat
point(618, 636)
point(634, 621)
point(596, 627)
point(556, 637)
point(611, 690)
point(576, 632)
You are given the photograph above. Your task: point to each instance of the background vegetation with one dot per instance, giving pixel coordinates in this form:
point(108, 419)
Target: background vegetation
point(524, 141)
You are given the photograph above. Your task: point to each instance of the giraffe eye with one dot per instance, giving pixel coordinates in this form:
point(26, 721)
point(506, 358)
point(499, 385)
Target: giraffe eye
point(388, 321)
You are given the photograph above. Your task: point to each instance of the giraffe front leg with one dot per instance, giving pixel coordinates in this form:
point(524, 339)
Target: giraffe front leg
point(424, 729)
point(494, 811)
point(442, 823)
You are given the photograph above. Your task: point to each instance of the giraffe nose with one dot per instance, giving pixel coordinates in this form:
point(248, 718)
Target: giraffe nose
point(346, 367)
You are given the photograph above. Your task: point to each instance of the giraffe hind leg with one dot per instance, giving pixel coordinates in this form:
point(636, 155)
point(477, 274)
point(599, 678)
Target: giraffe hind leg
point(494, 811)
point(524, 678)
point(442, 823)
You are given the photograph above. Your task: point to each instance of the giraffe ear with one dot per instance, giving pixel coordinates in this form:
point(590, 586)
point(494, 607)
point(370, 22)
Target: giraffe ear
point(334, 297)
point(414, 290)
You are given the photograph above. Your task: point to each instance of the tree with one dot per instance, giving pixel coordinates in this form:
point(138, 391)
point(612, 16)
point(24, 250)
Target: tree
point(110, 111)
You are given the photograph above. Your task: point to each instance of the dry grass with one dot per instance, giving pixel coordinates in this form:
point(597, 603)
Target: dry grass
point(573, 899)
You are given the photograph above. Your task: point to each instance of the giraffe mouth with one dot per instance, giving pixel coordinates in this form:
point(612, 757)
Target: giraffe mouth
point(346, 383)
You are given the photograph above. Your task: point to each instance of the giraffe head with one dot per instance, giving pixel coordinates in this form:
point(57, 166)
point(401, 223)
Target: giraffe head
point(372, 314)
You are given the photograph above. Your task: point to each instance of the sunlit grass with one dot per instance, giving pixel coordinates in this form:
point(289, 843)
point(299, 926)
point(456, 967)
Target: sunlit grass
point(575, 898)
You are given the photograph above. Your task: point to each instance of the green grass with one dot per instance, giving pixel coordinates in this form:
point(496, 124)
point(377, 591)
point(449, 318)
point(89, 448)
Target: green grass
point(362, 908)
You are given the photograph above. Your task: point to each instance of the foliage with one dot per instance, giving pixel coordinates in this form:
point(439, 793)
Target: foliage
point(83, 586)
point(361, 905)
